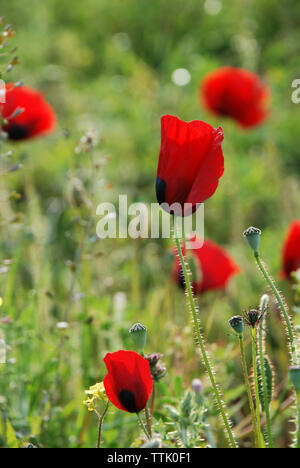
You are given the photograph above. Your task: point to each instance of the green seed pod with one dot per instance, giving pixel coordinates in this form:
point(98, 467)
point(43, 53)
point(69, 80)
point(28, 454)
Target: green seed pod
point(237, 323)
point(139, 334)
point(252, 235)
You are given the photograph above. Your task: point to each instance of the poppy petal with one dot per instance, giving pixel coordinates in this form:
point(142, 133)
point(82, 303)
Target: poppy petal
point(27, 113)
point(291, 250)
point(190, 161)
point(214, 267)
point(236, 93)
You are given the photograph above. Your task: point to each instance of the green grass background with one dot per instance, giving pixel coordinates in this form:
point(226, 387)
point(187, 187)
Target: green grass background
point(107, 65)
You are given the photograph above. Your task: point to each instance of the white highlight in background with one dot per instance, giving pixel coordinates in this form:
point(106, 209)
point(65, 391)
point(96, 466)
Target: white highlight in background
point(181, 77)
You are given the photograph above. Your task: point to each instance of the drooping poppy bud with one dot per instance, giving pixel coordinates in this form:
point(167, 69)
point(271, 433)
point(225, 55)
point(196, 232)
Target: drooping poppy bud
point(128, 383)
point(26, 113)
point(291, 250)
point(236, 93)
point(212, 267)
point(190, 164)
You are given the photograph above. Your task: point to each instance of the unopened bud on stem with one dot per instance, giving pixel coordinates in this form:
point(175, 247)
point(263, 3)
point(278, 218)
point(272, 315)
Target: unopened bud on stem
point(252, 234)
point(139, 334)
point(237, 323)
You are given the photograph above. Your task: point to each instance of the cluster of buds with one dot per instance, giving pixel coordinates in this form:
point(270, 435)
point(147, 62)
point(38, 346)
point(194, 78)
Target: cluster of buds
point(157, 369)
point(138, 333)
point(252, 318)
point(96, 393)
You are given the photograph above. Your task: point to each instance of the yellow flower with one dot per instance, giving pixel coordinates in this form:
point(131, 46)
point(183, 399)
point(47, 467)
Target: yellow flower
point(95, 394)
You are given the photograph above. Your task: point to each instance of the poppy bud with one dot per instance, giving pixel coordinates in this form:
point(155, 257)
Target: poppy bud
point(252, 235)
point(237, 323)
point(294, 373)
point(139, 334)
point(253, 317)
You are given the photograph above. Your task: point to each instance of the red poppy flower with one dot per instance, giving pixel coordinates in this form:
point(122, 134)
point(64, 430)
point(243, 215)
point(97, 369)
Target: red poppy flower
point(237, 93)
point(291, 250)
point(128, 384)
point(211, 266)
point(27, 113)
point(190, 162)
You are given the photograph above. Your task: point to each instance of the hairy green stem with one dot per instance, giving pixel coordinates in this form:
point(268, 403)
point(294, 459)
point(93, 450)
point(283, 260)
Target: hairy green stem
point(297, 441)
point(247, 383)
point(143, 426)
point(263, 374)
point(256, 388)
point(202, 345)
point(290, 331)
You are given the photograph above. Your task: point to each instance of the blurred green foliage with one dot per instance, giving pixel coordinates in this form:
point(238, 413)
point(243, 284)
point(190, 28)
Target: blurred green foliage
point(108, 65)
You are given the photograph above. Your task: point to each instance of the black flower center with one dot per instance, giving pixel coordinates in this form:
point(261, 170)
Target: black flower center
point(161, 187)
point(127, 398)
point(17, 132)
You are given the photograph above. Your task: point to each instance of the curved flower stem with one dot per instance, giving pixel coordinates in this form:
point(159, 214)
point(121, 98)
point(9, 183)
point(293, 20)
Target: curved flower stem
point(283, 308)
point(263, 376)
point(143, 426)
point(101, 418)
point(254, 362)
point(247, 383)
point(205, 358)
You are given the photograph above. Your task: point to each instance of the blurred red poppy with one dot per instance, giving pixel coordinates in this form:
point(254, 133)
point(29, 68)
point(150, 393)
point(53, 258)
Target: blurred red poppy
point(190, 162)
point(27, 113)
point(128, 383)
point(291, 250)
point(236, 93)
point(211, 267)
